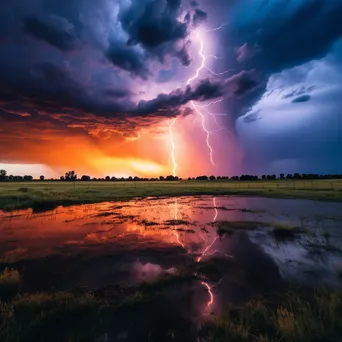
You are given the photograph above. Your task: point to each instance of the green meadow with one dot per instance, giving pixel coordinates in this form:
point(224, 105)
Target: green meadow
point(49, 194)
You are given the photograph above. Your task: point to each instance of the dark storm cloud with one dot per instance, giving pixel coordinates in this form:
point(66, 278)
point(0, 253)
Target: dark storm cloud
point(252, 117)
point(302, 98)
point(288, 33)
point(169, 103)
point(128, 59)
point(53, 30)
point(72, 60)
point(245, 52)
point(270, 36)
point(117, 93)
point(298, 92)
point(244, 82)
point(37, 91)
point(156, 26)
point(199, 16)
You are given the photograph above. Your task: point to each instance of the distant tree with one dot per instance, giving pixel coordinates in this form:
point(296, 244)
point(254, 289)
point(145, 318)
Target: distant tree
point(171, 178)
point(161, 178)
point(297, 176)
point(248, 178)
point(3, 174)
point(136, 179)
point(85, 178)
point(10, 177)
point(202, 178)
point(212, 177)
point(113, 179)
point(107, 178)
point(282, 176)
point(41, 178)
point(94, 179)
point(62, 178)
point(289, 176)
point(28, 178)
point(70, 176)
point(18, 178)
point(130, 178)
point(263, 177)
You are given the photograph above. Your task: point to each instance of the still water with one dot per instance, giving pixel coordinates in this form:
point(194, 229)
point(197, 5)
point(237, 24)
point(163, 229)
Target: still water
point(123, 244)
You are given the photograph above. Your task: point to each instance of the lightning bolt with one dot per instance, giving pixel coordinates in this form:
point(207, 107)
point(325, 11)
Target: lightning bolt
point(218, 28)
point(188, 82)
point(205, 107)
point(173, 147)
point(176, 233)
point(211, 245)
point(211, 298)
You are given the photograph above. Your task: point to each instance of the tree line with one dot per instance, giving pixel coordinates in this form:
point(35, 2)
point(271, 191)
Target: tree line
point(72, 176)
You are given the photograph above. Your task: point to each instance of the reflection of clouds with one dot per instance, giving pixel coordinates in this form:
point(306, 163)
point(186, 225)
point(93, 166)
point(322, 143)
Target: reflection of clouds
point(299, 261)
point(148, 271)
point(91, 228)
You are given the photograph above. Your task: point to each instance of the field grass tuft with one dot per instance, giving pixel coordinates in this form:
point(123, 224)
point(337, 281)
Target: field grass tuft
point(295, 317)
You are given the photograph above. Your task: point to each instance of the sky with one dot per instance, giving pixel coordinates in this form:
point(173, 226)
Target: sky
point(157, 87)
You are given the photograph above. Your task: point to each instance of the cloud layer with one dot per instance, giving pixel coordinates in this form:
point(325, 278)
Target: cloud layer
point(104, 71)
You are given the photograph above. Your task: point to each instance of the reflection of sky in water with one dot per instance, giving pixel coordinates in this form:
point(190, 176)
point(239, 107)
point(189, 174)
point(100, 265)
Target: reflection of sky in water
point(137, 241)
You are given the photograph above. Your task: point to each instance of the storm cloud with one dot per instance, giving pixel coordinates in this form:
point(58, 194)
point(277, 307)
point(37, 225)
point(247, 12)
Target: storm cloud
point(101, 68)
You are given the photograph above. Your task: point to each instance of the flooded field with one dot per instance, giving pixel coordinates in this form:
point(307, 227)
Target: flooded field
point(218, 251)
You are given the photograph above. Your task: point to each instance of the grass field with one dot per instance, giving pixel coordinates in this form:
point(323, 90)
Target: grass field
point(299, 314)
point(44, 195)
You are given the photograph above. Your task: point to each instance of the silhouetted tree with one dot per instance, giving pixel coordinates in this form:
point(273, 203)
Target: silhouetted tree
point(107, 178)
point(70, 176)
point(282, 176)
point(212, 177)
point(3, 174)
point(171, 178)
point(85, 178)
point(202, 178)
point(248, 178)
point(297, 176)
point(28, 178)
point(161, 178)
point(41, 178)
point(62, 178)
point(263, 177)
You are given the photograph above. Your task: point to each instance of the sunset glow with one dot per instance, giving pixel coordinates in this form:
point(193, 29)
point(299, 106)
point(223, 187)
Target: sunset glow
point(96, 88)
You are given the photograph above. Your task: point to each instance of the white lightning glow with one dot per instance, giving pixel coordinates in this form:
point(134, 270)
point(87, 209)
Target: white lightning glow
point(200, 52)
point(218, 28)
point(219, 73)
point(173, 148)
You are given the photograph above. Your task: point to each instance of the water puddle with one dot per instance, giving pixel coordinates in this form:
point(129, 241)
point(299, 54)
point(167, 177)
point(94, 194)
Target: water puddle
point(231, 248)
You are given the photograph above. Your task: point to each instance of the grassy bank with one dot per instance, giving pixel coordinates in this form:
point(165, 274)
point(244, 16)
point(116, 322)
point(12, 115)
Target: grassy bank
point(46, 195)
point(300, 315)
